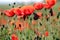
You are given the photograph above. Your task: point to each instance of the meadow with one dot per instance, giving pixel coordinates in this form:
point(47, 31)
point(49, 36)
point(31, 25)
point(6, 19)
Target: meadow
point(33, 27)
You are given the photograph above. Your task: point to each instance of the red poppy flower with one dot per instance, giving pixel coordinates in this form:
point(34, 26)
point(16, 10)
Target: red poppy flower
point(18, 12)
point(14, 37)
point(38, 6)
point(27, 10)
point(46, 33)
point(47, 6)
point(9, 13)
point(51, 2)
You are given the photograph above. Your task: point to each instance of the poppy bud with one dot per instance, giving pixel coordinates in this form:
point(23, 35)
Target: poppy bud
point(36, 17)
point(14, 3)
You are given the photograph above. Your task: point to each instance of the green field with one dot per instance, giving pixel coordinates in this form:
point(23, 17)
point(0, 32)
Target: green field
point(52, 26)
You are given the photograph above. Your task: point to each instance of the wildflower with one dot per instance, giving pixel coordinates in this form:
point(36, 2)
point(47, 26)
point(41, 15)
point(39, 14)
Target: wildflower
point(9, 13)
point(47, 6)
point(27, 10)
point(51, 2)
point(18, 12)
point(46, 33)
point(38, 6)
point(14, 37)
